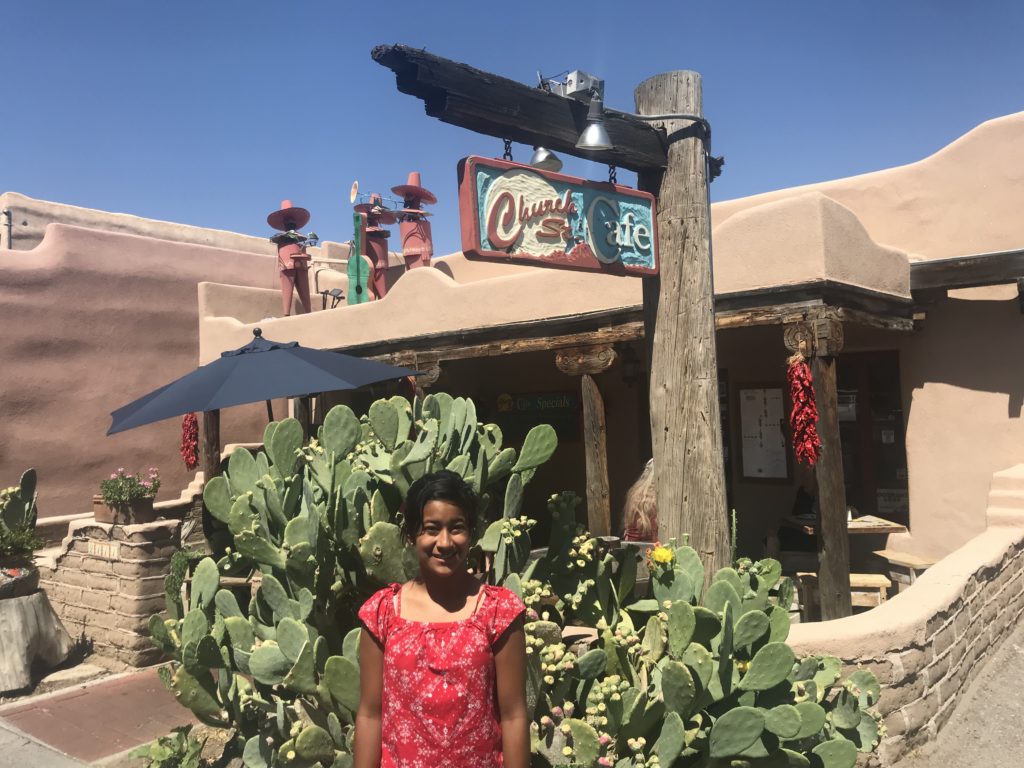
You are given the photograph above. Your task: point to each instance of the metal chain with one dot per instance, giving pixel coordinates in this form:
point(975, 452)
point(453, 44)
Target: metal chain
point(507, 155)
point(612, 177)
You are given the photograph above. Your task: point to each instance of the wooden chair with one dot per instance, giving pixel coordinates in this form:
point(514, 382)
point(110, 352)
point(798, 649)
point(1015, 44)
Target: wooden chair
point(904, 567)
point(867, 590)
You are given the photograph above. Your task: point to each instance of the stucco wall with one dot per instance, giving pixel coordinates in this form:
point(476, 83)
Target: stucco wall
point(927, 644)
point(30, 217)
point(964, 199)
point(91, 321)
point(800, 239)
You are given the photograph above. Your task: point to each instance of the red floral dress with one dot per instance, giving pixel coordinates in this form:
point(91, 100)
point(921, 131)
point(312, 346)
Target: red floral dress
point(438, 705)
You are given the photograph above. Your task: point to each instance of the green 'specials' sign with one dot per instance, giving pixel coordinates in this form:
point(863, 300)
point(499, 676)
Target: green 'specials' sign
point(514, 212)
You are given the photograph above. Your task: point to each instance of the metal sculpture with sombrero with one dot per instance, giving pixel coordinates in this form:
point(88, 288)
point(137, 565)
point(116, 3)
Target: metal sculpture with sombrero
point(375, 243)
point(414, 228)
point(292, 259)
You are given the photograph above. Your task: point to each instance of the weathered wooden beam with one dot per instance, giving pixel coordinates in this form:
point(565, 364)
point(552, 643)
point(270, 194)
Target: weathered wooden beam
point(968, 271)
point(482, 102)
point(506, 340)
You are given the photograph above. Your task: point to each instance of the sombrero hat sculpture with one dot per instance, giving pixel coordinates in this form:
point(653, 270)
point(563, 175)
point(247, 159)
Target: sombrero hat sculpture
point(414, 195)
point(288, 217)
point(376, 214)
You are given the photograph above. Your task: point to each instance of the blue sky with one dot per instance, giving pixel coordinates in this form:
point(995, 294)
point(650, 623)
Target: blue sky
point(209, 113)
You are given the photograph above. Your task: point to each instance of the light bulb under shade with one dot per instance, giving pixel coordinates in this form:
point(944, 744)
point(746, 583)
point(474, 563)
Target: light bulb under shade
point(594, 137)
point(545, 160)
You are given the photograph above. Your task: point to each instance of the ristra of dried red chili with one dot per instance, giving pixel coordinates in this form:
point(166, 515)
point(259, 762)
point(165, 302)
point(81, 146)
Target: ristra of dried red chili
point(190, 441)
point(803, 418)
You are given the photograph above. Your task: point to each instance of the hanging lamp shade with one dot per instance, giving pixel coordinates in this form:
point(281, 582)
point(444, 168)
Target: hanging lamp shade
point(594, 136)
point(545, 160)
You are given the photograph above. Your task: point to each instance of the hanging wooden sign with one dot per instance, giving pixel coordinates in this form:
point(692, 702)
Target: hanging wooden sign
point(514, 212)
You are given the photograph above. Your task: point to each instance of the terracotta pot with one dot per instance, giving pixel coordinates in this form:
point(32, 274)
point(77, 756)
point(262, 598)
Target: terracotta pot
point(129, 513)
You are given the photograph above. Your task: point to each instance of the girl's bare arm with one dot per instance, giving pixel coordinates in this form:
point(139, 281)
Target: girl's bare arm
point(371, 681)
point(510, 679)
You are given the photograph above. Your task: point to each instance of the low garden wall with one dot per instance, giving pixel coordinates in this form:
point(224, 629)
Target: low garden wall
point(108, 581)
point(105, 581)
point(927, 644)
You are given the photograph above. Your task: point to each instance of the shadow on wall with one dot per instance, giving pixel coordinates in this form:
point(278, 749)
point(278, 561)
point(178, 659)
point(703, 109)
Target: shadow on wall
point(963, 386)
point(981, 342)
point(92, 320)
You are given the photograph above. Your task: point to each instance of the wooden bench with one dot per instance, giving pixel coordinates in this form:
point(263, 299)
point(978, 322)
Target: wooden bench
point(867, 590)
point(904, 567)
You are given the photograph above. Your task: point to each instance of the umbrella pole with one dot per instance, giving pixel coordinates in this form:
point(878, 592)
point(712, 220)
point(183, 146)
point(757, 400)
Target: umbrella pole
point(303, 413)
point(270, 411)
point(211, 444)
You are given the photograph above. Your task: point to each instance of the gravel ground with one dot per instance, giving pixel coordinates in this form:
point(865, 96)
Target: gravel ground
point(987, 728)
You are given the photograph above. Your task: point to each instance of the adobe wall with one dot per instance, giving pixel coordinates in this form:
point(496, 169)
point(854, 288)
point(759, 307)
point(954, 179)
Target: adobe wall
point(964, 199)
point(108, 580)
point(92, 320)
point(963, 401)
point(928, 643)
point(30, 218)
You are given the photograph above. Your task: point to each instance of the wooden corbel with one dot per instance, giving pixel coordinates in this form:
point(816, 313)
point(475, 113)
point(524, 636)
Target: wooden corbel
point(593, 359)
point(820, 336)
point(799, 337)
point(430, 368)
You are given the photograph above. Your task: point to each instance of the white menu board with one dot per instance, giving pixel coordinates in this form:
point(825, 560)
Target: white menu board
point(763, 440)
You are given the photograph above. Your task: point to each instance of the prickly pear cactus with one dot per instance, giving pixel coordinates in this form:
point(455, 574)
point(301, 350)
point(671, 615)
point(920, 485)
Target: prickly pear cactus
point(317, 528)
point(616, 676)
point(18, 520)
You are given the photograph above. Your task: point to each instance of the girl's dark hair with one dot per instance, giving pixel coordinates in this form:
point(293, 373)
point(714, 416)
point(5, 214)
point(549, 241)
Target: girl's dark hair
point(443, 485)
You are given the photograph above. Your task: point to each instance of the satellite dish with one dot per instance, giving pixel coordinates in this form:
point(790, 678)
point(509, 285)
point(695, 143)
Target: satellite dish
point(354, 192)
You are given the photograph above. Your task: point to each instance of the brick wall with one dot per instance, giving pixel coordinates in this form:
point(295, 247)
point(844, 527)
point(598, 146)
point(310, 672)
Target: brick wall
point(107, 580)
point(927, 644)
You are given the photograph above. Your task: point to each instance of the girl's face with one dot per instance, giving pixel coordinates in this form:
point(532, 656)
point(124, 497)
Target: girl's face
point(442, 545)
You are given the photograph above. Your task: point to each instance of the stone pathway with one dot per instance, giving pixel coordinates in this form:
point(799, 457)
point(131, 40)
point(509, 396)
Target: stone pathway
point(20, 751)
point(93, 721)
point(987, 728)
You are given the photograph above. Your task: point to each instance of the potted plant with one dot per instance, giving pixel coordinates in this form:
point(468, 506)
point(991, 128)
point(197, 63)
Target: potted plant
point(18, 540)
point(127, 499)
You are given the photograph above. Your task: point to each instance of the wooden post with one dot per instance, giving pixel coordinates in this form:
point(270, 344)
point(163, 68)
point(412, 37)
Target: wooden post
point(833, 533)
point(599, 513)
point(211, 445)
point(585, 362)
point(686, 431)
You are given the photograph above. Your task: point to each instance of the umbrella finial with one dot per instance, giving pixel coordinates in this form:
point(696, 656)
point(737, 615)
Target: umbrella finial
point(257, 332)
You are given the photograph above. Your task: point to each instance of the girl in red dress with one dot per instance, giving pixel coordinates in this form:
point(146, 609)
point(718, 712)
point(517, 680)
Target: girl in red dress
point(442, 657)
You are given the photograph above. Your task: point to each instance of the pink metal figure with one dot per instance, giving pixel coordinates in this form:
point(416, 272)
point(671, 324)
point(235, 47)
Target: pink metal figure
point(417, 241)
point(292, 259)
point(376, 241)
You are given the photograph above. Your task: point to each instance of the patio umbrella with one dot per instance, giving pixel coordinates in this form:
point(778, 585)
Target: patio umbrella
point(261, 370)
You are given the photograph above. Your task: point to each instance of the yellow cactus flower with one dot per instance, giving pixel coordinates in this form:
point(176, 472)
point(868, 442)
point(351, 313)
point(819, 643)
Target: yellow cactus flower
point(661, 555)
